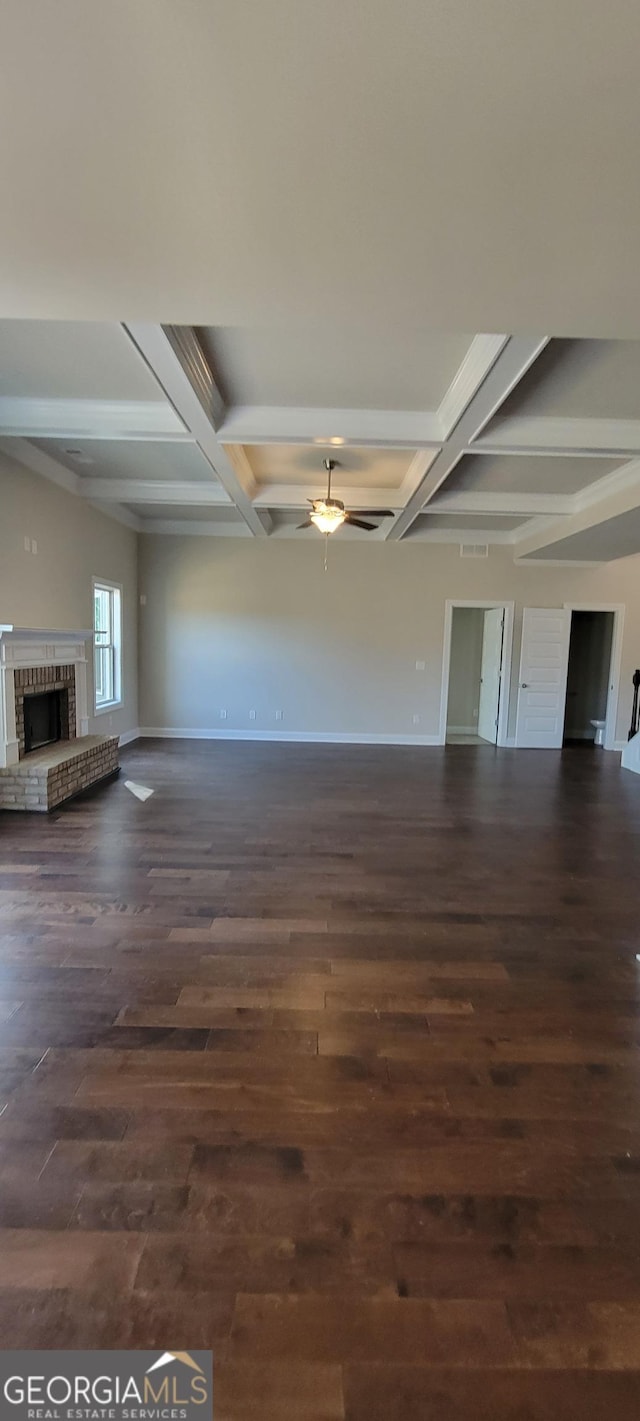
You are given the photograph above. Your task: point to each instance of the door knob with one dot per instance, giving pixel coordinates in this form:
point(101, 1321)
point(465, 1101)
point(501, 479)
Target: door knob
point(525, 686)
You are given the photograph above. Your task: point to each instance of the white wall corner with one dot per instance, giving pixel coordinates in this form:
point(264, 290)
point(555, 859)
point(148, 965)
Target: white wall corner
point(129, 735)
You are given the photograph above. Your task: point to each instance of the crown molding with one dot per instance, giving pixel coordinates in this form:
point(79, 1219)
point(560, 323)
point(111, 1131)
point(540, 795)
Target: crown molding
point(504, 503)
point(621, 480)
point(182, 527)
point(595, 438)
point(152, 491)
point(118, 513)
point(417, 534)
point(89, 419)
point(554, 562)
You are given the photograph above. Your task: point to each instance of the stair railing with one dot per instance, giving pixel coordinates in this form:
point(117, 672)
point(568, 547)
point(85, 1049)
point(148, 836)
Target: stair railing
point(634, 709)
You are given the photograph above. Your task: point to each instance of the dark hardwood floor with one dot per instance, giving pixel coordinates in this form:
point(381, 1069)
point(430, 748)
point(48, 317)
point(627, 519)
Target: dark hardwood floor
point(328, 1059)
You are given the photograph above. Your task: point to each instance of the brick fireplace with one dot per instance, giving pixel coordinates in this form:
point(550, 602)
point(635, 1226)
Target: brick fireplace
point(46, 753)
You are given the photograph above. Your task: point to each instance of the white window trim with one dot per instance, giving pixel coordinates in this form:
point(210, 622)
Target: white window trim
point(107, 706)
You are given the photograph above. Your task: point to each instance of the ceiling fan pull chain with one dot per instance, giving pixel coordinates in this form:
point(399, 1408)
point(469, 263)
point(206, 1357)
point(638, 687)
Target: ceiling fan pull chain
point(326, 551)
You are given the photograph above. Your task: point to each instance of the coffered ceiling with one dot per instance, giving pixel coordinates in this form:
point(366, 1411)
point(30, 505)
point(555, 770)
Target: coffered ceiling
point(521, 441)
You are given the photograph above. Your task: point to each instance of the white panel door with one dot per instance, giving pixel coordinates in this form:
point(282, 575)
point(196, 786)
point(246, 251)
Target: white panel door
point(544, 659)
point(490, 674)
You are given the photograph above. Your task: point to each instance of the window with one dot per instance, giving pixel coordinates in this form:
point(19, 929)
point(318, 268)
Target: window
point(107, 618)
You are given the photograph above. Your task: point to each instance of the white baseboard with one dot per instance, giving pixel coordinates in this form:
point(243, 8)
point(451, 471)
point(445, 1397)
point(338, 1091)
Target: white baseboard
point(305, 737)
point(129, 735)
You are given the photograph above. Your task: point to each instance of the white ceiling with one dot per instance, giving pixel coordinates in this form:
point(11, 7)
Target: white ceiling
point(131, 459)
point(614, 538)
point(135, 419)
point(580, 378)
point(296, 464)
point(485, 473)
point(72, 360)
point(387, 370)
point(445, 166)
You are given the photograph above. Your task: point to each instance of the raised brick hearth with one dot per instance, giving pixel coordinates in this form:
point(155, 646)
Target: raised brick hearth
point(45, 778)
point(32, 661)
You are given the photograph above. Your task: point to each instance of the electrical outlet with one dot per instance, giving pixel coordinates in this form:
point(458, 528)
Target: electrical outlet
point(252, 715)
point(27, 545)
point(421, 665)
point(143, 599)
point(416, 719)
point(34, 546)
point(223, 715)
point(279, 715)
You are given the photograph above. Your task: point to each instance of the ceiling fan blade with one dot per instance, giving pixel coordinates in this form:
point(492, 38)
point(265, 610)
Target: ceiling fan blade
point(306, 524)
point(375, 512)
point(359, 523)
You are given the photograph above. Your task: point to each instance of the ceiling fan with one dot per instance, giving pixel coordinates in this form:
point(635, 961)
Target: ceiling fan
point(328, 514)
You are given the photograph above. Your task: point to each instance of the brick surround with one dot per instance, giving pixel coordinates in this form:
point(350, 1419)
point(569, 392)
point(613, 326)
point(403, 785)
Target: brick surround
point(45, 778)
point(35, 679)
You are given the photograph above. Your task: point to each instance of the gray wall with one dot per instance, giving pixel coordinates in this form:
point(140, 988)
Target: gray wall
point(243, 624)
point(53, 589)
point(467, 628)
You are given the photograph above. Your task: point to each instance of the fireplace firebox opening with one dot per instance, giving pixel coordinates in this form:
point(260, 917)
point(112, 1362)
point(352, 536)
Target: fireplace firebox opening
point(46, 719)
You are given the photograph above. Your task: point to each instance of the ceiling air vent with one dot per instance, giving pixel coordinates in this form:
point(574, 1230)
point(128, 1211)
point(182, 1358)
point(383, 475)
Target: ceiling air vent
point(474, 550)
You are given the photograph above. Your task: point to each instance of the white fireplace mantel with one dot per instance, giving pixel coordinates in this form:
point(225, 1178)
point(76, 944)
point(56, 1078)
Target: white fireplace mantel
point(22, 647)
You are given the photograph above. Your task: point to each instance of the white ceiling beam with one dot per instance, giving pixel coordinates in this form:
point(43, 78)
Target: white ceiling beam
point(517, 356)
point(416, 472)
point(621, 496)
point(543, 435)
point(514, 359)
point(381, 429)
point(150, 491)
point(344, 534)
point(297, 496)
point(183, 527)
point(430, 534)
point(173, 356)
point(533, 504)
point(478, 361)
point(89, 419)
point(428, 476)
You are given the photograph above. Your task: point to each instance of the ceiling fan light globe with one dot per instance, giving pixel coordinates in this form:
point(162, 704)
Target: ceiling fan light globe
point(327, 519)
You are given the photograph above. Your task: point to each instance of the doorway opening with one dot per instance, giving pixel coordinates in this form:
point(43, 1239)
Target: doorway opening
point(588, 677)
point(546, 717)
point(475, 673)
